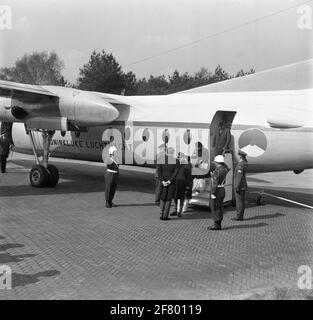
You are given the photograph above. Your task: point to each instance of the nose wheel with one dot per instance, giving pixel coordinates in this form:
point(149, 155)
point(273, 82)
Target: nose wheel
point(43, 174)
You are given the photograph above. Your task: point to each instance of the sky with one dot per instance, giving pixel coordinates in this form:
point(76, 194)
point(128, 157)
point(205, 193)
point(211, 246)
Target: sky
point(136, 30)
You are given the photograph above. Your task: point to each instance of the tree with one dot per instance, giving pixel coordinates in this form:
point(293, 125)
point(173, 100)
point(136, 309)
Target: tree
point(103, 73)
point(41, 68)
point(220, 74)
point(242, 73)
point(153, 86)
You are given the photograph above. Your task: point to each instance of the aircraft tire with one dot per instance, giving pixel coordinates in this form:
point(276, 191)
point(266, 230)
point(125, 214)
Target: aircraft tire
point(53, 177)
point(38, 176)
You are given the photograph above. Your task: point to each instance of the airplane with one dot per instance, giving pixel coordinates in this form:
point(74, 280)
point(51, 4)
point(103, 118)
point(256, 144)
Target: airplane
point(269, 114)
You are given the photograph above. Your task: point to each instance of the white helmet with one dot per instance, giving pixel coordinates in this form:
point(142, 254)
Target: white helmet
point(112, 149)
point(219, 159)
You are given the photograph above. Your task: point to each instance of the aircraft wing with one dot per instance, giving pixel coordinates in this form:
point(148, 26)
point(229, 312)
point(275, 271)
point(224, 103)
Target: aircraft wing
point(24, 88)
point(296, 76)
point(55, 107)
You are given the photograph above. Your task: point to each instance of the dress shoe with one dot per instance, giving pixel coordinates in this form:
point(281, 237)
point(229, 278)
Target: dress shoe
point(167, 218)
point(112, 204)
point(161, 218)
point(215, 227)
point(173, 214)
point(108, 205)
point(236, 219)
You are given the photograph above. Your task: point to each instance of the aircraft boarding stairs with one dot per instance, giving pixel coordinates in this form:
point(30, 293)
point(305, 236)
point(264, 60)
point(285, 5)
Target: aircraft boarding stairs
point(203, 198)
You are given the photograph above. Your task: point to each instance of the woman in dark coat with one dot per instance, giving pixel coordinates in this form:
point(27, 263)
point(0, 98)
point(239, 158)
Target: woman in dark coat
point(183, 181)
point(167, 173)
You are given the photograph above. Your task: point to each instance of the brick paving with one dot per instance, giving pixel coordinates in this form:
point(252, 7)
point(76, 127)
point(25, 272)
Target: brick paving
point(63, 243)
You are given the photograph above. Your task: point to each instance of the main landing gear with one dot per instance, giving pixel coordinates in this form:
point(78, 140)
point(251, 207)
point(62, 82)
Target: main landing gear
point(43, 174)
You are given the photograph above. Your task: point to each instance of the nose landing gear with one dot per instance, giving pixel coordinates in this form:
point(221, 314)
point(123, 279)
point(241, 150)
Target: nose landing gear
point(43, 174)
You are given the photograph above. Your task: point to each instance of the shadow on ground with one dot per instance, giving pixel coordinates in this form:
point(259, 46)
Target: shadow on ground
point(8, 258)
point(246, 226)
point(266, 216)
point(19, 279)
point(4, 247)
point(86, 180)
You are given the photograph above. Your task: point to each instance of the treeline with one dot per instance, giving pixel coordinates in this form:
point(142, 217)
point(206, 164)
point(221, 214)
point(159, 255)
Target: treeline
point(103, 73)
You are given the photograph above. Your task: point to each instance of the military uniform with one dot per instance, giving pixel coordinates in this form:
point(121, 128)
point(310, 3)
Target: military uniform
point(111, 178)
point(4, 152)
point(240, 185)
point(217, 189)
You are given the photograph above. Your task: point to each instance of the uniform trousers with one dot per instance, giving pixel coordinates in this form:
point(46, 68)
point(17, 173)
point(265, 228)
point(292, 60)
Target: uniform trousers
point(111, 179)
point(240, 203)
point(3, 159)
point(218, 203)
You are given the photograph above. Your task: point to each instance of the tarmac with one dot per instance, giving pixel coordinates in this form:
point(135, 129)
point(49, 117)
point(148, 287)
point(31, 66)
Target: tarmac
point(62, 243)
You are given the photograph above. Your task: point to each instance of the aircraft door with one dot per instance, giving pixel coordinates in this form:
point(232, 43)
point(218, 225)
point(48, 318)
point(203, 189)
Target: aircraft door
point(224, 118)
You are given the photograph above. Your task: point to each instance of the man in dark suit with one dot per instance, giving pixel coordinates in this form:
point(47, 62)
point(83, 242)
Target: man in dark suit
point(222, 139)
point(240, 185)
point(167, 174)
point(160, 158)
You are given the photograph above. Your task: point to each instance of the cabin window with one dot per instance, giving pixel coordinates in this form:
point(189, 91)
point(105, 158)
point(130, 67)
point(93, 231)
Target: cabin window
point(63, 133)
point(198, 149)
point(166, 136)
point(145, 135)
point(187, 136)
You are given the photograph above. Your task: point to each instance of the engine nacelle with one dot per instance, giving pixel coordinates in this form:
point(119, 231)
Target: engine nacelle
point(83, 108)
point(51, 123)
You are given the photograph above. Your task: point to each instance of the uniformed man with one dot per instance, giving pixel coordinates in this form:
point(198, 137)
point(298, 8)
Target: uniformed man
point(111, 176)
point(218, 178)
point(240, 185)
point(4, 150)
point(222, 139)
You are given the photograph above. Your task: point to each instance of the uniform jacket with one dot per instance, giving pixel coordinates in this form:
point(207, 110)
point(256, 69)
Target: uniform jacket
point(240, 181)
point(112, 165)
point(218, 177)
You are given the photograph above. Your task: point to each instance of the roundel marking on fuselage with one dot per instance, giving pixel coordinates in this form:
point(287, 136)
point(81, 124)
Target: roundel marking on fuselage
point(253, 142)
